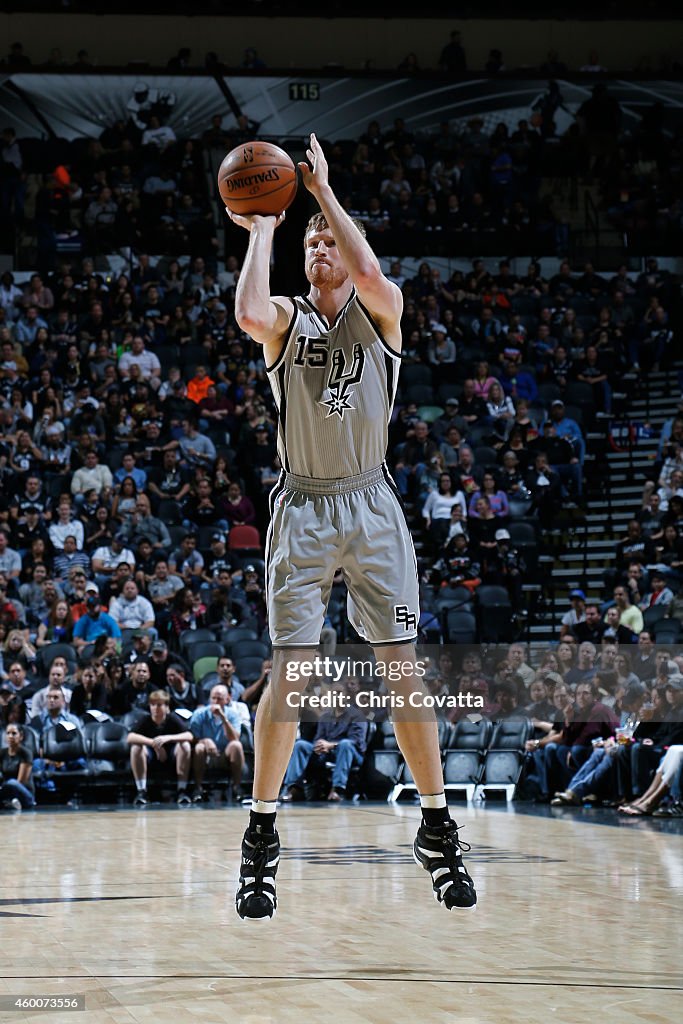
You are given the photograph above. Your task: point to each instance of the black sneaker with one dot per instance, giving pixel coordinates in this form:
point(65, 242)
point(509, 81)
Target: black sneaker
point(256, 899)
point(437, 849)
point(140, 798)
point(183, 799)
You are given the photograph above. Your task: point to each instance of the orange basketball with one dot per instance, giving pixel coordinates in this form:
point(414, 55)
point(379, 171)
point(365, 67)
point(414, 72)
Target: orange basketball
point(257, 177)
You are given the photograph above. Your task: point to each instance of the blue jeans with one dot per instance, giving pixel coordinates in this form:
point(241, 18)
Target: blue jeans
point(558, 772)
point(594, 775)
point(345, 755)
point(404, 476)
point(12, 788)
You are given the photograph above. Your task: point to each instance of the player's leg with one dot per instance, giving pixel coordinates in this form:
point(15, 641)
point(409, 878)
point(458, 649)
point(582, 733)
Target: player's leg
point(379, 560)
point(274, 737)
point(437, 846)
point(301, 556)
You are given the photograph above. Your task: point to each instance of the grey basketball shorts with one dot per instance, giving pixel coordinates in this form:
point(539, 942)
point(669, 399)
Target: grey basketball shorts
point(356, 524)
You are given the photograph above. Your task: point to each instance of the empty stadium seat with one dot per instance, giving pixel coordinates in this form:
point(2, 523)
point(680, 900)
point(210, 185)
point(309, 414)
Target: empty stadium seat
point(504, 758)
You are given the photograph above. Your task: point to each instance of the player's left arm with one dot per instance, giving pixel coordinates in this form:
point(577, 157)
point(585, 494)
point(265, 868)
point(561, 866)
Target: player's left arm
point(381, 297)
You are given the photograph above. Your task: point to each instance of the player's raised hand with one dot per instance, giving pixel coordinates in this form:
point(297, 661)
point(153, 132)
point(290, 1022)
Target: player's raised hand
point(315, 176)
point(249, 220)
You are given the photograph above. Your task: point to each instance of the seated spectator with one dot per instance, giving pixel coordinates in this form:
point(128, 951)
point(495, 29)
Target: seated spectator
point(341, 737)
point(189, 612)
point(630, 615)
point(506, 697)
point(497, 498)
point(10, 560)
point(94, 623)
point(436, 510)
point(441, 350)
point(54, 714)
point(540, 707)
point(66, 526)
point(237, 507)
point(162, 739)
point(545, 489)
point(69, 558)
point(585, 664)
point(182, 691)
point(186, 562)
point(216, 729)
point(197, 450)
point(142, 525)
point(58, 625)
point(472, 407)
point(106, 559)
point(499, 406)
point(567, 749)
point(596, 777)
point(198, 386)
point(575, 615)
point(92, 476)
point(90, 692)
point(591, 628)
point(565, 426)
point(615, 629)
point(131, 610)
point(16, 770)
point(129, 469)
point(659, 594)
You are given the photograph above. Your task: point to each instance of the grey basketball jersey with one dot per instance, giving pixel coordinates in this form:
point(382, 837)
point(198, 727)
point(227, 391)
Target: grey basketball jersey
point(334, 388)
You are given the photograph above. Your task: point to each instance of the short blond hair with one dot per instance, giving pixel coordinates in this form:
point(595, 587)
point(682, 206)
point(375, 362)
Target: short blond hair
point(159, 697)
point(318, 222)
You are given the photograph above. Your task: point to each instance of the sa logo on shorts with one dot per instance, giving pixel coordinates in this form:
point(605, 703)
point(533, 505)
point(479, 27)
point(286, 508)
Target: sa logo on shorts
point(404, 617)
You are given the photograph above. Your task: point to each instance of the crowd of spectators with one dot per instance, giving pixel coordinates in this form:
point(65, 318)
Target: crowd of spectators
point(138, 427)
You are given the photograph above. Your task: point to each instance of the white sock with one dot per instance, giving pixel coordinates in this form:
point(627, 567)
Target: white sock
point(141, 785)
point(433, 801)
point(264, 806)
point(182, 786)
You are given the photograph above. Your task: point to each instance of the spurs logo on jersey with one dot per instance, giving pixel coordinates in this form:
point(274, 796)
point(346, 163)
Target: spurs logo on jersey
point(404, 617)
point(340, 383)
point(334, 386)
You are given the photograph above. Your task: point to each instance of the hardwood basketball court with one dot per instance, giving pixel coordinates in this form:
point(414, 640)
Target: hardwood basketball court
point(577, 921)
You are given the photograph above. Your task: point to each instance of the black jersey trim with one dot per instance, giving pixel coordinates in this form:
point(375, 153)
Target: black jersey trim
point(392, 372)
point(387, 348)
point(282, 415)
point(393, 643)
point(339, 315)
point(391, 483)
point(287, 339)
point(277, 490)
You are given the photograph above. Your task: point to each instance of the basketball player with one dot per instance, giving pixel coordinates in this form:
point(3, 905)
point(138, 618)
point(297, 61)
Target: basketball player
point(333, 359)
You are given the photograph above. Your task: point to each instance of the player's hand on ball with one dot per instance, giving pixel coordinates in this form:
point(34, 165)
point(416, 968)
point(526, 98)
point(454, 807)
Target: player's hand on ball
point(314, 177)
point(249, 220)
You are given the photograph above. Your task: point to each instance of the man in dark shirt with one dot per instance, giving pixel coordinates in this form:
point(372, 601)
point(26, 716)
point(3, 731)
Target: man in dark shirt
point(584, 721)
point(643, 663)
point(472, 408)
point(635, 547)
point(341, 737)
point(591, 628)
point(134, 693)
point(161, 738)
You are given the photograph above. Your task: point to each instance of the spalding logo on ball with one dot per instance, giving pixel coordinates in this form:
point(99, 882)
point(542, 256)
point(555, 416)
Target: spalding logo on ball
point(257, 177)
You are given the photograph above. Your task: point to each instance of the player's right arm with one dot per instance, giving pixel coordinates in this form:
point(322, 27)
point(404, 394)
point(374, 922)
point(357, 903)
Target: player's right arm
point(263, 317)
